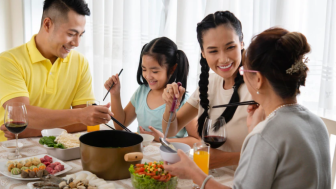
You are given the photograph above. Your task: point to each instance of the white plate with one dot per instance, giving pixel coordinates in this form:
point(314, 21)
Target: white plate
point(4, 170)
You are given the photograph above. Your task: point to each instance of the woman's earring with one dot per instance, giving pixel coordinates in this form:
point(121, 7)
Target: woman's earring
point(257, 92)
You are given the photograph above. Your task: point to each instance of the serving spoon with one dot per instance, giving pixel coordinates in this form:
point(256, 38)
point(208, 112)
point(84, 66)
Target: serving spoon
point(164, 142)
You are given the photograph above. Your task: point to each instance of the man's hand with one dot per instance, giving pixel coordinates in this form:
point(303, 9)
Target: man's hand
point(156, 133)
point(8, 134)
point(95, 115)
point(25, 134)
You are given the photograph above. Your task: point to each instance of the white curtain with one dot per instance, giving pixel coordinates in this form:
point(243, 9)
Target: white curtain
point(117, 30)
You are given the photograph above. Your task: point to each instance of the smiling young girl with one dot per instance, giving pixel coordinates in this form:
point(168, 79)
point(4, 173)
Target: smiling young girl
point(161, 63)
point(221, 40)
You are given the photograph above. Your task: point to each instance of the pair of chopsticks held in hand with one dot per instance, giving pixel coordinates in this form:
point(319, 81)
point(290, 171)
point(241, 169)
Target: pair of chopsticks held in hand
point(236, 104)
point(114, 119)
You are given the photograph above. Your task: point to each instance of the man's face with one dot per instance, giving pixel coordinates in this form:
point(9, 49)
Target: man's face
point(65, 34)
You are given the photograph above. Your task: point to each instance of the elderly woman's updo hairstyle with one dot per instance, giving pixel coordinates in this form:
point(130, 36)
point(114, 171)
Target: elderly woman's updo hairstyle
point(279, 56)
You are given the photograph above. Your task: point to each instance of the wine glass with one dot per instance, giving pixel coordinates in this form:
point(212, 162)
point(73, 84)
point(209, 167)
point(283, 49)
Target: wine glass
point(214, 133)
point(16, 121)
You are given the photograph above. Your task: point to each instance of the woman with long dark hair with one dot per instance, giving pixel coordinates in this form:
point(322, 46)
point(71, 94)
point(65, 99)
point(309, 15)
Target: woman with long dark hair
point(288, 146)
point(161, 63)
point(220, 37)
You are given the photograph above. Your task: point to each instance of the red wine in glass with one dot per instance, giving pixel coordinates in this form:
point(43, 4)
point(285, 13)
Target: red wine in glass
point(214, 141)
point(16, 121)
point(16, 127)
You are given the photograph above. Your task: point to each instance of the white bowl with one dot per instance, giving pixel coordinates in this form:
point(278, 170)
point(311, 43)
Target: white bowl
point(10, 145)
point(52, 132)
point(147, 139)
point(171, 157)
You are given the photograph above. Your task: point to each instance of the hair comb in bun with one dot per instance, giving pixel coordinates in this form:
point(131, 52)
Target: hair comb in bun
point(298, 66)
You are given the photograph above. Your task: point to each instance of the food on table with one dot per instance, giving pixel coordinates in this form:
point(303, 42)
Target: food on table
point(28, 164)
point(10, 167)
point(39, 167)
point(24, 168)
point(24, 174)
point(32, 174)
point(19, 165)
point(32, 167)
point(9, 162)
point(35, 161)
point(50, 142)
point(15, 171)
point(63, 141)
point(68, 140)
point(152, 175)
point(88, 181)
point(39, 173)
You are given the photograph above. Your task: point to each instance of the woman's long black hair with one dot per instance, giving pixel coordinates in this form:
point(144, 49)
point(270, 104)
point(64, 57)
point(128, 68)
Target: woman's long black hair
point(212, 21)
point(166, 53)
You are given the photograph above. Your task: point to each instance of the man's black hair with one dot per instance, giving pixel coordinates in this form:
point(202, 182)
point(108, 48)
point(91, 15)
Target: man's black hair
point(60, 8)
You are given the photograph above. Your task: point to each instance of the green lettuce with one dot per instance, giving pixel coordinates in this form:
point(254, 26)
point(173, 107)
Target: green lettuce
point(50, 142)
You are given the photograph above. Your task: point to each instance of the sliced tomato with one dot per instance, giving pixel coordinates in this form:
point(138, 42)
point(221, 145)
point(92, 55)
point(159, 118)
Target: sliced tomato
point(139, 165)
point(163, 178)
point(140, 170)
point(141, 173)
point(159, 166)
point(150, 174)
point(156, 177)
point(168, 177)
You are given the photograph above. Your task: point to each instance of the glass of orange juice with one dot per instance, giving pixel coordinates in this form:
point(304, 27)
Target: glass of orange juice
point(94, 127)
point(202, 157)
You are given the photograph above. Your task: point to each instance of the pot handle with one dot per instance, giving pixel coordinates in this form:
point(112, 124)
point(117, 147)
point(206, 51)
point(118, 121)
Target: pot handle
point(134, 156)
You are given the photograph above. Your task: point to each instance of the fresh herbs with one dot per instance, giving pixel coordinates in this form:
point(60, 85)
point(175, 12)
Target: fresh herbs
point(50, 142)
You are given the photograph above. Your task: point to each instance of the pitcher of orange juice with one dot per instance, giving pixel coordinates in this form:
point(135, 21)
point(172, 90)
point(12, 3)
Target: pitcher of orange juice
point(94, 127)
point(202, 157)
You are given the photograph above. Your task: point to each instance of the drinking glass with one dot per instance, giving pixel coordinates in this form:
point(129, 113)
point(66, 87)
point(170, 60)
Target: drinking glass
point(214, 133)
point(202, 157)
point(216, 137)
point(16, 121)
point(94, 127)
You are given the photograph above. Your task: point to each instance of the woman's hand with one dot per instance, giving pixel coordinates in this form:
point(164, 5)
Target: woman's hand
point(171, 91)
point(156, 133)
point(256, 114)
point(115, 90)
point(184, 168)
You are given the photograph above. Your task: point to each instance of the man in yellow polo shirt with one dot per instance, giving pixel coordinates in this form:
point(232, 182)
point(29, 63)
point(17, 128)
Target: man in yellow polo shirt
point(49, 77)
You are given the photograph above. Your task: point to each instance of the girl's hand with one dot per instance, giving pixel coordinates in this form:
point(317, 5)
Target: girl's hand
point(156, 133)
point(171, 91)
point(115, 90)
point(184, 168)
point(256, 114)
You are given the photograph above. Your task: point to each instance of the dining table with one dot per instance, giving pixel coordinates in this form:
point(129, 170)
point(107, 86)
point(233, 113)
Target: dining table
point(31, 147)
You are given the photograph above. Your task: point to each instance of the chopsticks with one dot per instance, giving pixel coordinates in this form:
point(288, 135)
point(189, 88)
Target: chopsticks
point(121, 125)
point(110, 127)
point(112, 85)
point(236, 104)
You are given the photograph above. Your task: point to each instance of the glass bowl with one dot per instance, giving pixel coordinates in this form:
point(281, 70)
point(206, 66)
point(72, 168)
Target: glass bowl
point(140, 182)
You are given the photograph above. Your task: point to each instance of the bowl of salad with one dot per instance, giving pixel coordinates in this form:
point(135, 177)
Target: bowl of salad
point(152, 176)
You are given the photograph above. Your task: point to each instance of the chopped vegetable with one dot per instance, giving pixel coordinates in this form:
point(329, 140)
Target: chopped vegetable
point(50, 142)
point(151, 175)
